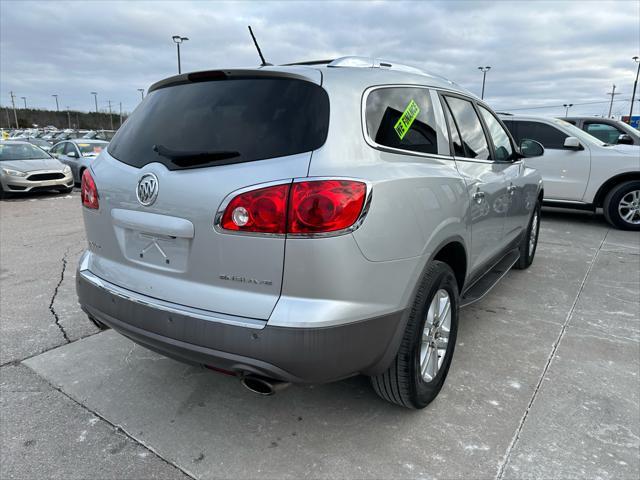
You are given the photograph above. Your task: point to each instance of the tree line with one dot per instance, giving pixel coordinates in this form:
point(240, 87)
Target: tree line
point(30, 117)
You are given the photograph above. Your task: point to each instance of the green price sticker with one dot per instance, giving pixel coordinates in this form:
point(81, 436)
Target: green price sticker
point(404, 123)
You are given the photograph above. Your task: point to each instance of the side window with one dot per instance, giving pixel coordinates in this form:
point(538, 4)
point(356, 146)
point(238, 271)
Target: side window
point(501, 141)
point(602, 131)
point(402, 118)
point(69, 147)
point(454, 133)
point(473, 139)
point(548, 136)
point(58, 149)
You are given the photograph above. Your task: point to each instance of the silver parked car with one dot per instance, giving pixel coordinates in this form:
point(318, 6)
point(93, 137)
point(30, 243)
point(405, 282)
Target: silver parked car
point(78, 154)
point(27, 168)
point(306, 223)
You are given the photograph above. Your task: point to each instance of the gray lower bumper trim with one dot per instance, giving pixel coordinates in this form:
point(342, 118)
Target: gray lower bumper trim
point(301, 355)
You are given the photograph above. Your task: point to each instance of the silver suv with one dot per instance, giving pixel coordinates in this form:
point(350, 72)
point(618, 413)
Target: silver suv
point(306, 223)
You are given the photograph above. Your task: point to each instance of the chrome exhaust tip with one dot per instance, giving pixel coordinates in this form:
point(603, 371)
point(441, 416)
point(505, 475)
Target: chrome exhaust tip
point(262, 386)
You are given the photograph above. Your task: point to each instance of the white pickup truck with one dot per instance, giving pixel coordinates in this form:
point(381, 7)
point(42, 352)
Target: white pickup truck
point(582, 172)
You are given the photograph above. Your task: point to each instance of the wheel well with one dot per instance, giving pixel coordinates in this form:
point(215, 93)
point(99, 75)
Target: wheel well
point(454, 255)
point(598, 200)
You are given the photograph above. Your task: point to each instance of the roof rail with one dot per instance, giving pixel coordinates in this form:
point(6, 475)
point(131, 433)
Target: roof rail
point(370, 62)
point(308, 62)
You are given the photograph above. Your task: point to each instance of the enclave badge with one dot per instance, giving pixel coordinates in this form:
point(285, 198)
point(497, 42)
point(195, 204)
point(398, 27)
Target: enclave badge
point(147, 190)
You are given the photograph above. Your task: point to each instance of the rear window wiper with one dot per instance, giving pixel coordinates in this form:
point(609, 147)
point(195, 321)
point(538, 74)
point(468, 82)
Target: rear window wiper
point(188, 159)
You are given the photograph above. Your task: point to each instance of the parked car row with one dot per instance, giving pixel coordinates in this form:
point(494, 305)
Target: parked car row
point(53, 135)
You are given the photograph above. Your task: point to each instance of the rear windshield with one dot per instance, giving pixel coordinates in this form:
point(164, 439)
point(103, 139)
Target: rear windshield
point(224, 121)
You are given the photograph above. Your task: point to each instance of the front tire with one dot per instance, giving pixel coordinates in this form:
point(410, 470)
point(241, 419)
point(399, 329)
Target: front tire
point(529, 242)
point(420, 368)
point(622, 206)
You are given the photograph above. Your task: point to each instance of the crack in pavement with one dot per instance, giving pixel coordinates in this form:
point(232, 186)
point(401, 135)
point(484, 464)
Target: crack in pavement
point(554, 349)
point(53, 298)
point(117, 428)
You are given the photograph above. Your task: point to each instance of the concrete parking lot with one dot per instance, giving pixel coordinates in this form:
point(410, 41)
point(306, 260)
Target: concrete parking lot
point(544, 383)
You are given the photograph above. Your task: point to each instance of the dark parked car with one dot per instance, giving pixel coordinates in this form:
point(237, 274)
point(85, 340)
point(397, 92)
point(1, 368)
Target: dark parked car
point(608, 130)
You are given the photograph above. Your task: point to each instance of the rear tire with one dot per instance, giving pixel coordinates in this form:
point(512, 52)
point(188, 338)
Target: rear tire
point(418, 372)
point(529, 242)
point(622, 206)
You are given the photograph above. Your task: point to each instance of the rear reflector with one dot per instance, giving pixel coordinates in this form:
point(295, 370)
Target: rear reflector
point(88, 191)
point(302, 208)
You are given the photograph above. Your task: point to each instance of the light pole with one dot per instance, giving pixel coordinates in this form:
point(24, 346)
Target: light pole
point(24, 99)
point(95, 98)
point(110, 117)
point(141, 90)
point(178, 40)
point(56, 97)
point(567, 106)
point(69, 117)
point(635, 85)
point(484, 71)
point(13, 104)
point(613, 94)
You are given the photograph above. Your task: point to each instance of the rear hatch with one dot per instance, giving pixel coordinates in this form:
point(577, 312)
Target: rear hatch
point(202, 136)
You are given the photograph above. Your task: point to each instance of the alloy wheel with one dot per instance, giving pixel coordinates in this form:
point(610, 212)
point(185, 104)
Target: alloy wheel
point(629, 207)
point(435, 335)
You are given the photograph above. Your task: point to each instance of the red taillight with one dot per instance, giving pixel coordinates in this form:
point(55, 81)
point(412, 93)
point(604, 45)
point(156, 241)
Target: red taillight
point(263, 210)
point(88, 191)
point(325, 205)
point(310, 207)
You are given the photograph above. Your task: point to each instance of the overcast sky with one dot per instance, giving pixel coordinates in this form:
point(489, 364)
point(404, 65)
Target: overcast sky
point(541, 53)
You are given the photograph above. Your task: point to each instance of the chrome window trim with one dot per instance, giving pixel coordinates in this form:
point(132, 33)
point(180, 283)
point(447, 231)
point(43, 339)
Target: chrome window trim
point(444, 92)
point(372, 143)
point(336, 233)
point(165, 306)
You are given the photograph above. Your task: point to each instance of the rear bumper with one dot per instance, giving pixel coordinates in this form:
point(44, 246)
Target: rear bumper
point(300, 355)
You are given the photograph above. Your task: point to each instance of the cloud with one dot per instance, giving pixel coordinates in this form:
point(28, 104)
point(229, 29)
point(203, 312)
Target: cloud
point(541, 52)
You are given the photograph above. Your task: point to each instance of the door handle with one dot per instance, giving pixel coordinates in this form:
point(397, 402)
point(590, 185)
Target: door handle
point(511, 189)
point(478, 196)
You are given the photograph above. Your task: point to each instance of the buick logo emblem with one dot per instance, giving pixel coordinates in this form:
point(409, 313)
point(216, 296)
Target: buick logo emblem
point(147, 190)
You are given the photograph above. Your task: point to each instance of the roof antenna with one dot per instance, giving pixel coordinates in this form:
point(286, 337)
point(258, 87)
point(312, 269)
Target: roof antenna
point(264, 63)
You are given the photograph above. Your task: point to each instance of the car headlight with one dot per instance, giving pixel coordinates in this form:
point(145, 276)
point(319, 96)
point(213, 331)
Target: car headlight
point(13, 173)
point(66, 170)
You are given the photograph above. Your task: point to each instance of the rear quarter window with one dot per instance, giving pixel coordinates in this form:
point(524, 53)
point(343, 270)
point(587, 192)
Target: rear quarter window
point(402, 118)
point(224, 121)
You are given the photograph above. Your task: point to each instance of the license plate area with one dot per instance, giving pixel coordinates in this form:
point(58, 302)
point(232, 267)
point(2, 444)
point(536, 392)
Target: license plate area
point(165, 252)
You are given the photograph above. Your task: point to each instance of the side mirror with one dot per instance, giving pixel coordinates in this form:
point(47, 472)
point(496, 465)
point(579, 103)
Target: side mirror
point(72, 154)
point(531, 148)
point(625, 139)
point(572, 143)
